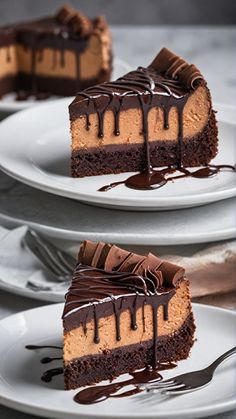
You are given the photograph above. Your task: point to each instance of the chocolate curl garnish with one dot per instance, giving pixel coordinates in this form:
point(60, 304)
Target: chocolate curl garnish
point(97, 254)
point(80, 25)
point(112, 258)
point(155, 278)
point(86, 252)
point(189, 76)
point(64, 14)
point(171, 273)
point(100, 23)
point(103, 256)
point(177, 68)
point(130, 263)
point(115, 258)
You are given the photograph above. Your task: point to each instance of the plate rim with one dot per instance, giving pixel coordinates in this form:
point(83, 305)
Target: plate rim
point(219, 407)
point(66, 234)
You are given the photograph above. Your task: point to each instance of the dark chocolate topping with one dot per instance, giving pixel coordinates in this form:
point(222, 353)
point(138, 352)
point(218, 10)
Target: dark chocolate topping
point(131, 282)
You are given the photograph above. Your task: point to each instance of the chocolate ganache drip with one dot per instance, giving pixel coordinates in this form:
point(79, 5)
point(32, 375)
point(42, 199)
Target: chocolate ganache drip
point(165, 83)
point(108, 274)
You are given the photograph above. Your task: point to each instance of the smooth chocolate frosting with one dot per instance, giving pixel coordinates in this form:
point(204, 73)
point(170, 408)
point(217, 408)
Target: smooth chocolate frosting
point(167, 79)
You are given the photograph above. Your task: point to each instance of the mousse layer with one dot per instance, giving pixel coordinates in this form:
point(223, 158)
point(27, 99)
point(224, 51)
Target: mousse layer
point(78, 343)
point(110, 364)
point(195, 116)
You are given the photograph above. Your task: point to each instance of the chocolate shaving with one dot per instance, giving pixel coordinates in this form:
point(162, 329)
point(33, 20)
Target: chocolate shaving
point(177, 68)
point(100, 23)
point(80, 25)
point(112, 258)
point(64, 14)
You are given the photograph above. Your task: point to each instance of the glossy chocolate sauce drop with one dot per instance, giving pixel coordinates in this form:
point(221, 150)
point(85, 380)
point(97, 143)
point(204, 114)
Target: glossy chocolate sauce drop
point(155, 179)
point(35, 347)
point(49, 374)
point(47, 359)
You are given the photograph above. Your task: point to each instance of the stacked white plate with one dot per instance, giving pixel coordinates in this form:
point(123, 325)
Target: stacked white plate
point(35, 150)
point(39, 192)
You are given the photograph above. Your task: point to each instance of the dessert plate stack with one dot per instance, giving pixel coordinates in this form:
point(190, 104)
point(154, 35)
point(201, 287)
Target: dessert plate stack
point(39, 192)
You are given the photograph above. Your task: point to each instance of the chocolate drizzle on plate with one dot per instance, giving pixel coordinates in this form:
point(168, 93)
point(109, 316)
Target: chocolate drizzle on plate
point(147, 280)
point(35, 347)
point(154, 179)
point(49, 374)
point(100, 393)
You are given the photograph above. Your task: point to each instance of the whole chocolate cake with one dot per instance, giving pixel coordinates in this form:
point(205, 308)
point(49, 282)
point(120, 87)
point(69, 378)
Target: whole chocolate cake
point(123, 312)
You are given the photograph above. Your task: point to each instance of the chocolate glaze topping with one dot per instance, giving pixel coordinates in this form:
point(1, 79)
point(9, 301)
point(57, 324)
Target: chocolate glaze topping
point(109, 280)
point(67, 30)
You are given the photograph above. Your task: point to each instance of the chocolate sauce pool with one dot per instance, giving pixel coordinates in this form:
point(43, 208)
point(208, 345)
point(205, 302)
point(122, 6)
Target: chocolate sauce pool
point(154, 179)
point(96, 394)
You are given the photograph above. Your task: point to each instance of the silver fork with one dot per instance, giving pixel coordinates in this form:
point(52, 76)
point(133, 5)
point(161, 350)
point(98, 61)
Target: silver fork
point(59, 263)
point(190, 381)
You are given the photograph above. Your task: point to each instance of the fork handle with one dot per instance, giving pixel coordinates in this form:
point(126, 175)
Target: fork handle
point(221, 358)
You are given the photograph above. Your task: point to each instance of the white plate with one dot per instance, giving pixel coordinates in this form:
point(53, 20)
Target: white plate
point(35, 149)
point(9, 104)
point(21, 204)
point(20, 371)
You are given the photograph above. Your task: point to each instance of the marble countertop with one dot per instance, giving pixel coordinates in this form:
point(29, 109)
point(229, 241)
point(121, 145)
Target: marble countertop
point(212, 49)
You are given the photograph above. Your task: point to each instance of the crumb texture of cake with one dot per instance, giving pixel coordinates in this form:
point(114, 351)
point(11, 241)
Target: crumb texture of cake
point(123, 311)
point(60, 55)
point(166, 106)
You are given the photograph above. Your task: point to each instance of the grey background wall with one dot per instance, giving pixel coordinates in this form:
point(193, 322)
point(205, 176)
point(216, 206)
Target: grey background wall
point(130, 11)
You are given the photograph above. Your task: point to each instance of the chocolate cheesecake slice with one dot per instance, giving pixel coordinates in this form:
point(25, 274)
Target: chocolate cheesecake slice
point(123, 312)
point(152, 117)
point(60, 55)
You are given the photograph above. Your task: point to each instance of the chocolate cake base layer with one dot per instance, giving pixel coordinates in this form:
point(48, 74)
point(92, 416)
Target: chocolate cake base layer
point(7, 84)
point(51, 85)
point(110, 364)
point(196, 151)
